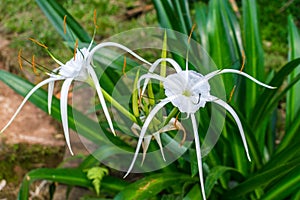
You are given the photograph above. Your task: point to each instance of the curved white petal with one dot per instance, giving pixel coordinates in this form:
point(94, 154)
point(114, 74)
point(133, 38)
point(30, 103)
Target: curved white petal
point(101, 98)
point(64, 110)
point(50, 94)
point(147, 77)
point(153, 67)
point(237, 120)
point(198, 152)
point(144, 129)
point(146, 143)
point(49, 80)
point(157, 138)
point(223, 71)
point(113, 44)
point(50, 89)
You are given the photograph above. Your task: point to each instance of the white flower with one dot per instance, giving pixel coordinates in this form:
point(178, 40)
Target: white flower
point(78, 68)
point(188, 91)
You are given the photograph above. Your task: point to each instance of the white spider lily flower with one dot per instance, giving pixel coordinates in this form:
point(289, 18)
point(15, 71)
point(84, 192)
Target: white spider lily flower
point(78, 68)
point(173, 124)
point(188, 90)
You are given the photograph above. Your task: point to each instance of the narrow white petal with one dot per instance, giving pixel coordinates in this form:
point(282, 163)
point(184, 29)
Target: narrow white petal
point(170, 60)
point(147, 77)
point(101, 98)
point(157, 138)
point(198, 152)
point(64, 110)
point(113, 44)
point(146, 143)
point(223, 71)
point(144, 129)
point(50, 94)
point(237, 120)
point(153, 67)
point(49, 80)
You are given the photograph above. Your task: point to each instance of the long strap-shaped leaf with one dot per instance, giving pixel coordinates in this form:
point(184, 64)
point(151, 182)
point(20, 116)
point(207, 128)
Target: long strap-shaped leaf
point(55, 13)
point(293, 96)
point(69, 176)
point(152, 185)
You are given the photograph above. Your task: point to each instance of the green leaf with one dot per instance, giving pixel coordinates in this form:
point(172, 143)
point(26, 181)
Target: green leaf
point(287, 186)
point(194, 193)
point(55, 13)
point(254, 53)
point(96, 174)
point(152, 185)
point(261, 179)
point(69, 176)
point(261, 112)
point(293, 96)
point(215, 174)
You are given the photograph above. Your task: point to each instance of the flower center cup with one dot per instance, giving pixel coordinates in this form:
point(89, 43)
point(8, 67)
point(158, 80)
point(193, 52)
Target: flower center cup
point(188, 99)
point(76, 67)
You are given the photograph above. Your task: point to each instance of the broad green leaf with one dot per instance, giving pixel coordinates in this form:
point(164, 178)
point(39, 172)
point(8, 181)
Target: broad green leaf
point(287, 186)
point(152, 185)
point(293, 96)
point(69, 176)
point(254, 54)
point(214, 175)
point(261, 179)
point(55, 13)
point(261, 112)
point(194, 193)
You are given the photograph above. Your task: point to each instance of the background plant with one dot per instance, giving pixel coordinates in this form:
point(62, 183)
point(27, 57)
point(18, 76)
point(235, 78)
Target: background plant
point(274, 171)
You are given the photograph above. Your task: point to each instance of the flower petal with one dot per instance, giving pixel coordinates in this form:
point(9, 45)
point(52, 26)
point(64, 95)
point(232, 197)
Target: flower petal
point(153, 67)
point(101, 98)
point(147, 77)
point(50, 94)
point(223, 71)
point(144, 129)
point(64, 110)
point(49, 80)
point(113, 44)
point(157, 138)
point(237, 120)
point(198, 152)
point(146, 143)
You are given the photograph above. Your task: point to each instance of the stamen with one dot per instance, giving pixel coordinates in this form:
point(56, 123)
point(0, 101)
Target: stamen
point(124, 67)
point(65, 24)
point(176, 120)
point(38, 43)
point(20, 59)
point(33, 65)
point(192, 30)
point(95, 19)
point(199, 98)
point(75, 48)
point(231, 94)
point(244, 59)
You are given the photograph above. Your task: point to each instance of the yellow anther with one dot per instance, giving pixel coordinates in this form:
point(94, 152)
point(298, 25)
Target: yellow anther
point(124, 67)
point(95, 19)
point(231, 93)
point(192, 30)
point(244, 59)
point(20, 59)
point(38, 43)
point(75, 48)
point(33, 65)
point(65, 24)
